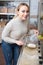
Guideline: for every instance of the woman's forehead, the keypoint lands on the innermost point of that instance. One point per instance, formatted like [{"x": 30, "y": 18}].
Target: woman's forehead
[{"x": 23, "y": 8}]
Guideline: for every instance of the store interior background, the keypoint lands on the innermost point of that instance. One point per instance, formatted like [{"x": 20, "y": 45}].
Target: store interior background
[{"x": 7, "y": 14}]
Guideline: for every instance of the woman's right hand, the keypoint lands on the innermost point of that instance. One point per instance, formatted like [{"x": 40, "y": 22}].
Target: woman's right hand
[{"x": 19, "y": 43}]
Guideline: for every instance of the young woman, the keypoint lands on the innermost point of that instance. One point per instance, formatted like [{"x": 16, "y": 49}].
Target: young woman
[{"x": 12, "y": 34}]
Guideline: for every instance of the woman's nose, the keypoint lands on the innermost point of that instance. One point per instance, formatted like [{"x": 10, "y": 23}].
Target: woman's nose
[{"x": 25, "y": 14}]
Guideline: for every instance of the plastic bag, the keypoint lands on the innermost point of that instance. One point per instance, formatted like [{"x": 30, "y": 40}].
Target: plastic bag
[{"x": 33, "y": 38}]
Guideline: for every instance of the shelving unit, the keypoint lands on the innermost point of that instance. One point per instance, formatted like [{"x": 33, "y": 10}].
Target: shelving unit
[
  {"x": 40, "y": 17},
  {"x": 7, "y": 12},
  {"x": 40, "y": 25}
]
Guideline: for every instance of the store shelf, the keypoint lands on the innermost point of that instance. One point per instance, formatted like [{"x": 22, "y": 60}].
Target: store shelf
[
  {"x": 7, "y": 14},
  {"x": 40, "y": 24},
  {"x": 7, "y": 11}
]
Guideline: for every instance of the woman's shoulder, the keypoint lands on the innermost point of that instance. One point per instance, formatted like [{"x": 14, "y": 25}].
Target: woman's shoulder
[{"x": 11, "y": 21}]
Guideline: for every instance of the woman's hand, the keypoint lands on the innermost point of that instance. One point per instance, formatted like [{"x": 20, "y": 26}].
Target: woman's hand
[{"x": 19, "y": 43}]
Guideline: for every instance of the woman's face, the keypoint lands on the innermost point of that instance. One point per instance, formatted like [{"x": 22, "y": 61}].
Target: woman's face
[{"x": 23, "y": 13}]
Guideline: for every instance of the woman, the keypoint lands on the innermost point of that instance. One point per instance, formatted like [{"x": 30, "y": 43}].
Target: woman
[{"x": 12, "y": 34}]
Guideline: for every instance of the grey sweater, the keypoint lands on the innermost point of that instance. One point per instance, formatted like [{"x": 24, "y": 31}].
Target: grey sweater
[{"x": 14, "y": 30}]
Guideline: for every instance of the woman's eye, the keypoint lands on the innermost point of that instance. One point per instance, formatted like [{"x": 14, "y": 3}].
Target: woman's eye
[{"x": 25, "y": 11}]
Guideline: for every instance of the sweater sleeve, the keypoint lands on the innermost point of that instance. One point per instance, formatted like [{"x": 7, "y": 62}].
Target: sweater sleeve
[{"x": 5, "y": 33}]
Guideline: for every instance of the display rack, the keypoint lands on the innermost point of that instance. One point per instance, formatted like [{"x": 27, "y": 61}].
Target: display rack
[
  {"x": 40, "y": 25},
  {"x": 40, "y": 17},
  {"x": 7, "y": 12}
]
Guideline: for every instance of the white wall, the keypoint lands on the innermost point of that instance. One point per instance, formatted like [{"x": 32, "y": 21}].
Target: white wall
[
  {"x": 33, "y": 7},
  {"x": 33, "y": 10}
]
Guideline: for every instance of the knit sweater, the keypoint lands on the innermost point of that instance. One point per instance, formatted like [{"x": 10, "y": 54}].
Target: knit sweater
[{"x": 14, "y": 30}]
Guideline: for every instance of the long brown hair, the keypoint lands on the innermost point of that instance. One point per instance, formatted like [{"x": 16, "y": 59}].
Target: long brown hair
[{"x": 23, "y": 4}]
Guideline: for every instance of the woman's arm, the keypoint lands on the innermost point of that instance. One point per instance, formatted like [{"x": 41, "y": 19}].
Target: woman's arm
[
  {"x": 5, "y": 33},
  {"x": 6, "y": 37}
]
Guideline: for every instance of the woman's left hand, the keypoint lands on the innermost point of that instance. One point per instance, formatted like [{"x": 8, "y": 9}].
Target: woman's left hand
[{"x": 19, "y": 42}]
